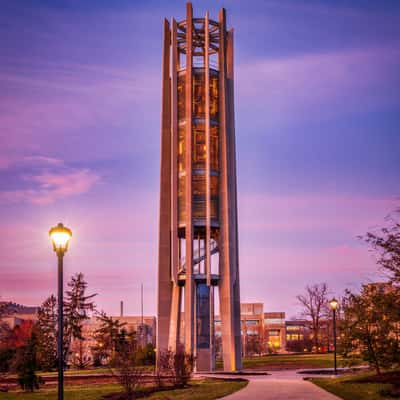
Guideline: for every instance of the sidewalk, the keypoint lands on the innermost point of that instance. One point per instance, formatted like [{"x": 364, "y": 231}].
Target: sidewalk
[{"x": 280, "y": 385}]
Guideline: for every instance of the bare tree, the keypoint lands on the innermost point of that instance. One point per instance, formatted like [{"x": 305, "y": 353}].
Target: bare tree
[
  {"x": 177, "y": 366},
  {"x": 386, "y": 244},
  {"x": 315, "y": 308},
  {"x": 128, "y": 375},
  {"x": 253, "y": 345},
  {"x": 183, "y": 367},
  {"x": 164, "y": 368}
]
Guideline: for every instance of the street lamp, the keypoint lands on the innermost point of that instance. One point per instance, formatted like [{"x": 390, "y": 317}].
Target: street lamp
[
  {"x": 333, "y": 304},
  {"x": 60, "y": 237}
]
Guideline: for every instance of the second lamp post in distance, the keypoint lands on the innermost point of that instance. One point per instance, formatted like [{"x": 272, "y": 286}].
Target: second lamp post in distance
[{"x": 333, "y": 304}]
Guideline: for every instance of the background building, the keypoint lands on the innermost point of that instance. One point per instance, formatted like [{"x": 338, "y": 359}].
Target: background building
[
  {"x": 275, "y": 331},
  {"x": 298, "y": 336},
  {"x": 261, "y": 332},
  {"x": 14, "y": 314},
  {"x": 143, "y": 331}
]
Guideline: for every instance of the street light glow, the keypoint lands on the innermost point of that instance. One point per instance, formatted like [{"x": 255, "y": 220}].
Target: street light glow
[
  {"x": 333, "y": 304},
  {"x": 60, "y": 237}
]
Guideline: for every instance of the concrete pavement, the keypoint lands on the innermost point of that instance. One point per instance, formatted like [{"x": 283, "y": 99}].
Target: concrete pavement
[{"x": 280, "y": 385}]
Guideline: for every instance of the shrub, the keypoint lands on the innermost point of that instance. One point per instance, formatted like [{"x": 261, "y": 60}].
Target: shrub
[
  {"x": 25, "y": 366},
  {"x": 6, "y": 359},
  {"x": 178, "y": 366}
]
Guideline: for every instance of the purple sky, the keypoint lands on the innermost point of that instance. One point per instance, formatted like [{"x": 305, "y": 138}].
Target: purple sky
[{"x": 317, "y": 125}]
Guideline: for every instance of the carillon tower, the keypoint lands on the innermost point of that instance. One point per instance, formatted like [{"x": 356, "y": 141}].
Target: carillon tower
[{"x": 198, "y": 235}]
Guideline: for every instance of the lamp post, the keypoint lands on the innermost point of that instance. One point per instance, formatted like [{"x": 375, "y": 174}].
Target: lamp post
[
  {"x": 60, "y": 237},
  {"x": 333, "y": 304}
]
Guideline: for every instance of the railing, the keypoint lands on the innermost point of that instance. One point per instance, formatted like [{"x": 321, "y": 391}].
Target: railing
[{"x": 214, "y": 249}]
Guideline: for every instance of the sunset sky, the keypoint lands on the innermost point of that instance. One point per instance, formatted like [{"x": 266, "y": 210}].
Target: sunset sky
[{"x": 317, "y": 96}]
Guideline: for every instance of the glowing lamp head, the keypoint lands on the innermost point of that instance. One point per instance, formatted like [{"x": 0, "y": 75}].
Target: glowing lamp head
[
  {"x": 333, "y": 304},
  {"x": 60, "y": 236}
]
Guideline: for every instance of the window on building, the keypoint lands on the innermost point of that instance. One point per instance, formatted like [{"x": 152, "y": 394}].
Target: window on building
[
  {"x": 274, "y": 332},
  {"x": 198, "y": 94},
  {"x": 214, "y": 154},
  {"x": 181, "y": 198},
  {"x": 214, "y": 97},
  {"x": 181, "y": 97},
  {"x": 274, "y": 321},
  {"x": 294, "y": 337},
  {"x": 293, "y": 328}
]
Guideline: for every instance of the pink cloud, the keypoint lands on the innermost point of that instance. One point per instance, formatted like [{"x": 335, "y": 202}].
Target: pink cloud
[
  {"x": 42, "y": 160},
  {"x": 47, "y": 185}
]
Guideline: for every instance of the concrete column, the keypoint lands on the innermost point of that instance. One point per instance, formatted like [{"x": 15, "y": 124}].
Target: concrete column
[
  {"x": 189, "y": 285},
  {"x": 174, "y": 154},
  {"x": 212, "y": 330},
  {"x": 164, "y": 255},
  {"x": 229, "y": 291},
  {"x": 232, "y": 186},
  {"x": 175, "y": 322}
]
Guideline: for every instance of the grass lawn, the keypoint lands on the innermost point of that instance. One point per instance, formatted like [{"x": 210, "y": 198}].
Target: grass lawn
[
  {"x": 79, "y": 371},
  {"x": 281, "y": 361},
  {"x": 207, "y": 389},
  {"x": 289, "y": 361},
  {"x": 90, "y": 371},
  {"x": 86, "y": 371},
  {"x": 355, "y": 387}
]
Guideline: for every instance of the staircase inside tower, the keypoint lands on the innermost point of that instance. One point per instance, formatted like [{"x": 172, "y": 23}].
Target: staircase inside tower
[{"x": 199, "y": 256}]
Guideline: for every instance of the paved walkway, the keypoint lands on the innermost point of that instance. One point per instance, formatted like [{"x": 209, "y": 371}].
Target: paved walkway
[{"x": 280, "y": 385}]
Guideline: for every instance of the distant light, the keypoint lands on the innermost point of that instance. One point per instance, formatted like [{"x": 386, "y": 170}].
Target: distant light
[{"x": 333, "y": 304}]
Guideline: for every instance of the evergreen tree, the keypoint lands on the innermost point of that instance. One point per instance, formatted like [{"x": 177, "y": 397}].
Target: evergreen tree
[
  {"x": 5, "y": 330},
  {"x": 47, "y": 334},
  {"x": 25, "y": 365},
  {"x": 77, "y": 308},
  {"x": 110, "y": 337},
  {"x": 79, "y": 359}
]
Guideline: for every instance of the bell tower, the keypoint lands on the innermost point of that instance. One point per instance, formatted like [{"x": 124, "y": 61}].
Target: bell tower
[{"x": 198, "y": 234}]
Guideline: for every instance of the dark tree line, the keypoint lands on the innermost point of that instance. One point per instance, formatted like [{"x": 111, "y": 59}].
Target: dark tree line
[
  {"x": 371, "y": 325},
  {"x": 30, "y": 347},
  {"x": 369, "y": 321}
]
